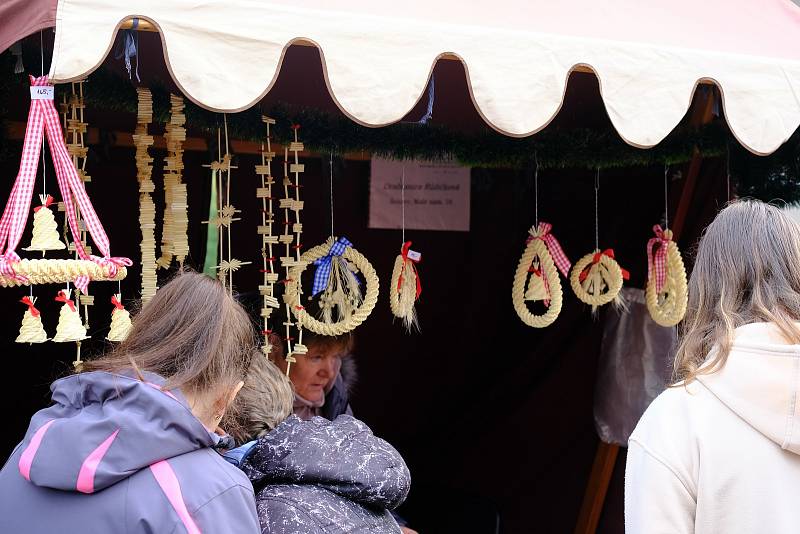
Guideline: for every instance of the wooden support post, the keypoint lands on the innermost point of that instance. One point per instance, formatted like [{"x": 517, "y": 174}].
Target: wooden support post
[
  {"x": 702, "y": 115},
  {"x": 603, "y": 467},
  {"x": 606, "y": 455}
]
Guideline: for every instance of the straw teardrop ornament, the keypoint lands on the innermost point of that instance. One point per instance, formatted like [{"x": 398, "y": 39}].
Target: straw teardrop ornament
[
  {"x": 667, "y": 289},
  {"x": 538, "y": 268}
]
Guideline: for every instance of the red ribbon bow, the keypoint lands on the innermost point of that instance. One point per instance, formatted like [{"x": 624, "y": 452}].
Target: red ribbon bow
[
  {"x": 117, "y": 304},
  {"x": 31, "y": 307},
  {"x": 47, "y": 203},
  {"x": 7, "y": 268},
  {"x": 658, "y": 262},
  {"x": 63, "y": 298},
  {"x": 596, "y": 259},
  {"x": 111, "y": 263},
  {"x": 404, "y": 254}
]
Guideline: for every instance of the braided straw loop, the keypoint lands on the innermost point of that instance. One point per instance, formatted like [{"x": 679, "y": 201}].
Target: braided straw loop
[
  {"x": 596, "y": 279},
  {"x": 360, "y": 314},
  {"x": 668, "y": 306},
  {"x": 46, "y": 271},
  {"x": 536, "y": 249}
]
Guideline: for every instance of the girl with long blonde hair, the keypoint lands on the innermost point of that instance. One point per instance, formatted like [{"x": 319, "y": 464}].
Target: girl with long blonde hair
[{"x": 719, "y": 451}]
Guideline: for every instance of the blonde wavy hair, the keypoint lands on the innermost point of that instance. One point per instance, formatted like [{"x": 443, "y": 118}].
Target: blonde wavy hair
[
  {"x": 265, "y": 401},
  {"x": 747, "y": 270}
]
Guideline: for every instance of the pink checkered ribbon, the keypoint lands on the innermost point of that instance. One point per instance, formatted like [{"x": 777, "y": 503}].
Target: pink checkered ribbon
[
  {"x": 43, "y": 118},
  {"x": 553, "y": 246},
  {"x": 657, "y": 262},
  {"x": 556, "y": 252}
]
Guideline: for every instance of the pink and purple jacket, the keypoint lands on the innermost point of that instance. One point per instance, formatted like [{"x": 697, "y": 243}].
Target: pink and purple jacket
[{"x": 114, "y": 454}]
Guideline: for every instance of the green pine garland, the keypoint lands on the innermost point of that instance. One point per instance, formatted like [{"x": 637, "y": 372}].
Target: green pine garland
[{"x": 766, "y": 177}]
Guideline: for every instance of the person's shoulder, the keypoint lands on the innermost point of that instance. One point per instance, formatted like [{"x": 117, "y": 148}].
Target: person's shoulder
[
  {"x": 672, "y": 425},
  {"x": 204, "y": 474}
]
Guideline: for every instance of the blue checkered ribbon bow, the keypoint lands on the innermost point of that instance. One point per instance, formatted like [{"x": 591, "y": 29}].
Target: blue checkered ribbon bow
[{"x": 323, "y": 273}]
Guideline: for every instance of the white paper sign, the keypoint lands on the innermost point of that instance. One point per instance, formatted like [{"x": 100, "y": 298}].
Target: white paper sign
[
  {"x": 44, "y": 92},
  {"x": 436, "y": 196}
]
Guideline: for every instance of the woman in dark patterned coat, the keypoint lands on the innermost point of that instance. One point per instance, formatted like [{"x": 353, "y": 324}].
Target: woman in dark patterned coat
[{"x": 315, "y": 476}]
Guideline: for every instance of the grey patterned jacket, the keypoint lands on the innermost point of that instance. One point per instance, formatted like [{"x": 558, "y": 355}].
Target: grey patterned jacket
[{"x": 327, "y": 477}]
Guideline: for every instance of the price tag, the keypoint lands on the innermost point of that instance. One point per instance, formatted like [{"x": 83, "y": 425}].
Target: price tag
[
  {"x": 45, "y": 92},
  {"x": 413, "y": 255}
]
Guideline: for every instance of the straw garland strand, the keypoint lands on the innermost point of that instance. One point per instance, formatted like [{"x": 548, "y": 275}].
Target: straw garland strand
[
  {"x": 147, "y": 209},
  {"x": 268, "y": 239}
]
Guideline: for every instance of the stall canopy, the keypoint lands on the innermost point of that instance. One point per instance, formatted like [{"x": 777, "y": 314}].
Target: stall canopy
[{"x": 649, "y": 57}]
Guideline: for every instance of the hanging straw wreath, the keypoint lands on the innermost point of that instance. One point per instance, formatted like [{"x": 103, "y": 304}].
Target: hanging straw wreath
[
  {"x": 405, "y": 287},
  {"x": 597, "y": 279},
  {"x": 537, "y": 267},
  {"x": 667, "y": 293},
  {"x": 337, "y": 264}
]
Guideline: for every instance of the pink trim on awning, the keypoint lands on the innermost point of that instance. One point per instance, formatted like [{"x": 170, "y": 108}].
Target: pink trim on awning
[{"x": 20, "y": 18}]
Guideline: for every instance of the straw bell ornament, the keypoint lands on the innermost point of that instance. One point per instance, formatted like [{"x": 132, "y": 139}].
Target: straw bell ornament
[
  {"x": 120, "y": 320},
  {"x": 31, "y": 330},
  {"x": 70, "y": 327},
  {"x": 45, "y": 229},
  {"x": 536, "y": 289}
]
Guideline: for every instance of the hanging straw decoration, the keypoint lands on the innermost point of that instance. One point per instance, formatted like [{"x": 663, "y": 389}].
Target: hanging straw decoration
[
  {"x": 45, "y": 228},
  {"x": 221, "y": 173},
  {"x": 337, "y": 264},
  {"x": 269, "y": 301},
  {"x": 537, "y": 267},
  {"x": 43, "y": 118},
  {"x": 405, "y": 287},
  {"x": 291, "y": 239},
  {"x": 597, "y": 278},
  {"x": 336, "y": 282},
  {"x": 75, "y": 128},
  {"x": 120, "y": 320},
  {"x": 174, "y": 238},
  {"x": 31, "y": 330},
  {"x": 70, "y": 328},
  {"x": 667, "y": 290},
  {"x": 147, "y": 209}
]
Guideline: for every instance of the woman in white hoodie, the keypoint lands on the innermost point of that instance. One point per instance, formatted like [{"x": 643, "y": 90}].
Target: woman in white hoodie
[{"x": 719, "y": 451}]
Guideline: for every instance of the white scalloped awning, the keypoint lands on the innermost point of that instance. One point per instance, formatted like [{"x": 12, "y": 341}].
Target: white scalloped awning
[{"x": 648, "y": 55}]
